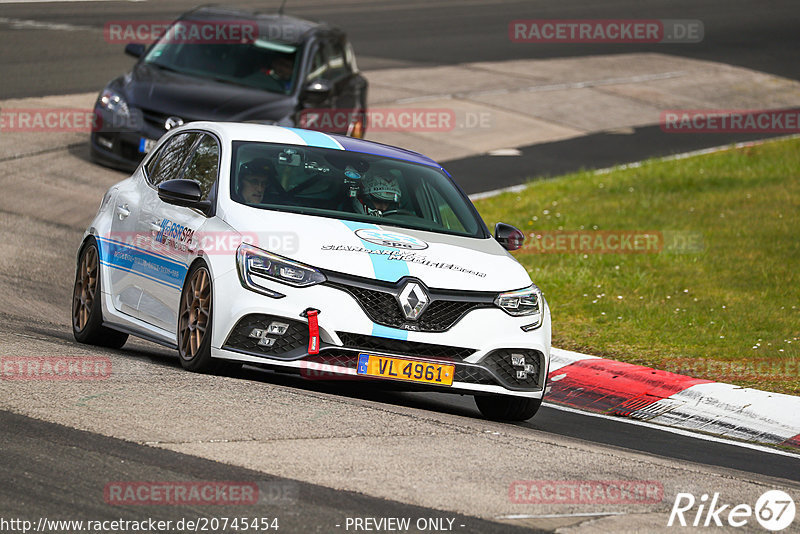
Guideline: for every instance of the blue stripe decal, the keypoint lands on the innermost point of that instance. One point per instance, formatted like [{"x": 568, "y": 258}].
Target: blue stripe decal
[
  {"x": 392, "y": 333},
  {"x": 317, "y": 139},
  {"x": 173, "y": 286},
  {"x": 142, "y": 262},
  {"x": 386, "y": 270}
]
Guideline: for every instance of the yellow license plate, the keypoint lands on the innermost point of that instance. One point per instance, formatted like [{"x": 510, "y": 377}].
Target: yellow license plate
[{"x": 400, "y": 369}]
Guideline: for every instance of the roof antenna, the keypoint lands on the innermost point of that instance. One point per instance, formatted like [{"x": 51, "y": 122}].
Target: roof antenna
[{"x": 280, "y": 9}]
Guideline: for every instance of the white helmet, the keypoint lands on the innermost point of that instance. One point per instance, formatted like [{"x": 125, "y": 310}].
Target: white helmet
[{"x": 381, "y": 187}]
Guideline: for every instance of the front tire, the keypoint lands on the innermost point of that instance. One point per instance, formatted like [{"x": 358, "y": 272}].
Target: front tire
[
  {"x": 507, "y": 408},
  {"x": 87, "y": 313},
  {"x": 195, "y": 315}
]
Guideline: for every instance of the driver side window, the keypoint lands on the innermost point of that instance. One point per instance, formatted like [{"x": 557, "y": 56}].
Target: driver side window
[
  {"x": 319, "y": 67},
  {"x": 203, "y": 165},
  {"x": 169, "y": 161}
]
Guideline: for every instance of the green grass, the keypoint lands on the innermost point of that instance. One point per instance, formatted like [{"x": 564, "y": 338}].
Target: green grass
[{"x": 729, "y": 311}]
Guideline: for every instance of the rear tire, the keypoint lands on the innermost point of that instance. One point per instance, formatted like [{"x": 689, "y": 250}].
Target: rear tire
[
  {"x": 507, "y": 408},
  {"x": 87, "y": 312}
]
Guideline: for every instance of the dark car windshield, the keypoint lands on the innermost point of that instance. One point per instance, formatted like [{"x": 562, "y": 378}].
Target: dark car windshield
[
  {"x": 257, "y": 63},
  {"x": 351, "y": 186}
]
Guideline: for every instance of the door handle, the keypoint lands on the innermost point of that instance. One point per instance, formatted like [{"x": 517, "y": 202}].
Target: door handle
[
  {"x": 123, "y": 211},
  {"x": 156, "y": 227}
]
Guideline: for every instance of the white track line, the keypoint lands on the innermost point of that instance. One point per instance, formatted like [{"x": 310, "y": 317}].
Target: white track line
[
  {"x": 673, "y": 430},
  {"x": 544, "y": 88},
  {"x": 555, "y": 516}
]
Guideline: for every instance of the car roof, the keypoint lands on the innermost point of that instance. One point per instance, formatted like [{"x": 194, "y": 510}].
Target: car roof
[
  {"x": 237, "y": 131},
  {"x": 278, "y": 27}
]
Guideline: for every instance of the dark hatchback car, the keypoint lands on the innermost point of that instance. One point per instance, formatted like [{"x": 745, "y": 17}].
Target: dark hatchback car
[{"x": 219, "y": 64}]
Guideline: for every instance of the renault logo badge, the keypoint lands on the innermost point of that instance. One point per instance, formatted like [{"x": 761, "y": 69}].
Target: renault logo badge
[
  {"x": 173, "y": 122},
  {"x": 413, "y": 300}
]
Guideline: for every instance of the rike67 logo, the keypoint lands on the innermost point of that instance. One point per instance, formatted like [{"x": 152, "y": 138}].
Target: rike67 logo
[{"x": 774, "y": 510}]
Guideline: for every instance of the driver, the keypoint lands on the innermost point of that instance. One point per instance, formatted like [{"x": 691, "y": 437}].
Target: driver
[
  {"x": 253, "y": 178},
  {"x": 380, "y": 193},
  {"x": 282, "y": 71}
]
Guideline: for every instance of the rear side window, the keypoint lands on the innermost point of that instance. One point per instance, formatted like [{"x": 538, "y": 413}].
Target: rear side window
[{"x": 171, "y": 157}]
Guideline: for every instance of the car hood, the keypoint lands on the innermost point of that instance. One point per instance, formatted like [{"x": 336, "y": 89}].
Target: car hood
[
  {"x": 382, "y": 252},
  {"x": 193, "y": 98}
]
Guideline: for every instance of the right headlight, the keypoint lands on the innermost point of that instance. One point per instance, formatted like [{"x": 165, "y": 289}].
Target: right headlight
[
  {"x": 523, "y": 302},
  {"x": 256, "y": 265}
]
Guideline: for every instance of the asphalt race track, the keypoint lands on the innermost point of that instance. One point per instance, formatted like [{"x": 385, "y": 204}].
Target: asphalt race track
[{"x": 325, "y": 453}]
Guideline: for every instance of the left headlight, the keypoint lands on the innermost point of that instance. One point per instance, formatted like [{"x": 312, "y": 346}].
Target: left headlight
[
  {"x": 113, "y": 102},
  {"x": 256, "y": 265},
  {"x": 523, "y": 302}
]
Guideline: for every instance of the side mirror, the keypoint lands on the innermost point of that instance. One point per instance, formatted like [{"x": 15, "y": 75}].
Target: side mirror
[
  {"x": 510, "y": 237},
  {"x": 135, "y": 49},
  {"x": 317, "y": 92},
  {"x": 186, "y": 193}
]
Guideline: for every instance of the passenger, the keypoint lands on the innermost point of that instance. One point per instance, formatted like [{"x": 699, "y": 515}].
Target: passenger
[{"x": 254, "y": 176}]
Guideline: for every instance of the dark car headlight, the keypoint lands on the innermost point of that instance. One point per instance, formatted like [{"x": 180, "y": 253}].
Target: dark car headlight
[
  {"x": 113, "y": 102},
  {"x": 523, "y": 302},
  {"x": 256, "y": 265}
]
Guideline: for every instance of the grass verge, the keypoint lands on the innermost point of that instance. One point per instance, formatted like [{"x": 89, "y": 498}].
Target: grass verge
[{"x": 716, "y": 296}]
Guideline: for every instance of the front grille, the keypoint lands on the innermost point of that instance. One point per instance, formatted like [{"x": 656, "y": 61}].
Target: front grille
[
  {"x": 382, "y": 308},
  {"x": 335, "y": 357},
  {"x": 470, "y": 374},
  {"x": 293, "y": 342},
  {"x": 499, "y": 362},
  {"x": 155, "y": 118},
  {"x": 407, "y": 348},
  {"x": 129, "y": 151},
  {"x": 473, "y": 375}
]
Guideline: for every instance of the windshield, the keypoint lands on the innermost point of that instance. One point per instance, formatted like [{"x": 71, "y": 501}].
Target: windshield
[
  {"x": 352, "y": 186},
  {"x": 258, "y": 63}
]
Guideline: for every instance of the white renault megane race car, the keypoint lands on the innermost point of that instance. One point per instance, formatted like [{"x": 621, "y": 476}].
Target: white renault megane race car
[{"x": 323, "y": 255}]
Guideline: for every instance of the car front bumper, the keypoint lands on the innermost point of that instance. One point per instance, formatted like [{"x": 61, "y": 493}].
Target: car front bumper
[{"x": 485, "y": 345}]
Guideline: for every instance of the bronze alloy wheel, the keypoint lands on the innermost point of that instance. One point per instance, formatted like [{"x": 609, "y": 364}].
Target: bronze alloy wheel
[
  {"x": 85, "y": 289},
  {"x": 195, "y": 314},
  {"x": 87, "y": 313}
]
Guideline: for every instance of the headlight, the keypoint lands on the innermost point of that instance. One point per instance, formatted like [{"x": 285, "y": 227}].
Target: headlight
[
  {"x": 256, "y": 265},
  {"x": 114, "y": 103},
  {"x": 527, "y": 302}
]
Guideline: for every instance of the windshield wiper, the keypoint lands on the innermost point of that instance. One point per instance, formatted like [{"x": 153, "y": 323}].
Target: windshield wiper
[
  {"x": 231, "y": 82},
  {"x": 164, "y": 67}
]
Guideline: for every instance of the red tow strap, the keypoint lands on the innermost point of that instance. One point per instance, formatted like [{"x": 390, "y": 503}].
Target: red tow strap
[{"x": 313, "y": 331}]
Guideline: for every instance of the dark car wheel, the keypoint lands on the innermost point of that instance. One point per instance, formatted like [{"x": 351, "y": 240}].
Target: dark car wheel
[
  {"x": 507, "y": 408},
  {"x": 87, "y": 314}
]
